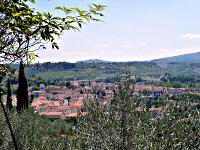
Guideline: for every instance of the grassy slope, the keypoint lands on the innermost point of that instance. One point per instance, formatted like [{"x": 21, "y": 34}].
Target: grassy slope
[
  {"x": 186, "y": 69},
  {"x": 141, "y": 70},
  {"x": 86, "y": 74}
]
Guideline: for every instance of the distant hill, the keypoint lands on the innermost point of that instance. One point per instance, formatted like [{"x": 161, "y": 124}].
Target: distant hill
[
  {"x": 95, "y": 69},
  {"x": 93, "y": 61},
  {"x": 100, "y": 70},
  {"x": 49, "y": 66},
  {"x": 186, "y": 58}
]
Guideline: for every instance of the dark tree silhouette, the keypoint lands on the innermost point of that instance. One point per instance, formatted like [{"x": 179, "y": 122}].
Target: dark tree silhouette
[
  {"x": 9, "y": 99},
  {"x": 22, "y": 91}
]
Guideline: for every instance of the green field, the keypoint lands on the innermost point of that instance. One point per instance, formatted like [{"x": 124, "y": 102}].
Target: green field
[
  {"x": 87, "y": 74},
  {"x": 100, "y": 71}
]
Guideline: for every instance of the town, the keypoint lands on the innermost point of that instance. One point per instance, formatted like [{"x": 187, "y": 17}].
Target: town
[
  {"x": 65, "y": 102},
  {"x": 99, "y": 75}
]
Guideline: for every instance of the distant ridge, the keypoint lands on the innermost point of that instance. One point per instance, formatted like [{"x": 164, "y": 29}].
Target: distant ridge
[
  {"x": 185, "y": 58},
  {"x": 93, "y": 61}
]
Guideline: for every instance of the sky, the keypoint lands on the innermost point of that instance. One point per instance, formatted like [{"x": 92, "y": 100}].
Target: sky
[{"x": 133, "y": 30}]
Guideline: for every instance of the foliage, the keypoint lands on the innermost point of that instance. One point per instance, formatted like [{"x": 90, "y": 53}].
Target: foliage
[
  {"x": 48, "y": 66},
  {"x": 5, "y": 70},
  {"x": 127, "y": 124},
  {"x": 22, "y": 91},
  {"x": 181, "y": 75},
  {"x": 34, "y": 132},
  {"x": 68, "y": 84},
  {"x": 191, "y": 97},
  {"x": 124, "y": 124},
  {"x": 23, "y": 30}
]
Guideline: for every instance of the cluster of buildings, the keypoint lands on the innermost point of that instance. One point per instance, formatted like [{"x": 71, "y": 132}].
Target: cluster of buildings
[{"x": 63, "y": 102}]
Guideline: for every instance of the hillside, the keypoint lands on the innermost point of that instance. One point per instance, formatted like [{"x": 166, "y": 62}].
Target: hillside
[
  {"x": 94, "y": 69},
  {"x": 186, "y": 58},
  {"x": 108, "y": 71},
  {"x": 93, "y": 61}
]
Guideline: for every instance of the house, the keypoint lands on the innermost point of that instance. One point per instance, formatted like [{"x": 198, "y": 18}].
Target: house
[
  {"x": 38, "y": 101},
  {"x": 76, "y": 103},
  {"x": 52, "y": 103},
  {"x": 87, "y": 90},
  {"x": 176, "y": 91},
  {"x": 111, "y": 86},
  {"x": 194, "y": 90},
  {"x": 37, "y": 94},
  {"x": 141, "y": 87},
  {"x": 109, "y": 93},
  {"x": 88, "y": 95},
  {"x": 154, "y": 112},
  {"x": 42, "y": 87},
  {"x": 74, "y": 84},
  {"x": 42, "y": 109},
  {"x": 93, "y": 84},
  {"x": 65, "y": 102}
]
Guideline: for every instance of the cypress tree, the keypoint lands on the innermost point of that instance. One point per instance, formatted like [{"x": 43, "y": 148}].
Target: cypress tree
[
  {"x": 9, "y": 99},
  {"x": 22, "y": 91}
]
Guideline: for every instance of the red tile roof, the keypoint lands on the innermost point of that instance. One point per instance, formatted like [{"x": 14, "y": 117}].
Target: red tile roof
[
  {"x": 74, "y": 83},
  {"x": 63, "y": 108},
  {"x": 76, "y": 103}
]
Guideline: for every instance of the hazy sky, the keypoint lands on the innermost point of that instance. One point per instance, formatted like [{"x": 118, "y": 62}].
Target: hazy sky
[{"x": 133, "y": 30}]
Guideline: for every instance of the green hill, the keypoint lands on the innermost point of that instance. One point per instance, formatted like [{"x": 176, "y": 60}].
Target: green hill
[
  {"x": 186, "y": 58},
  {"x": 188, "y": 64}
]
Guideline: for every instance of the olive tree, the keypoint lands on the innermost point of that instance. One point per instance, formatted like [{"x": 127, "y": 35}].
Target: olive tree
[
  {"x": 127, "y": 123},
  {"x": 23, "y": 31}
]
